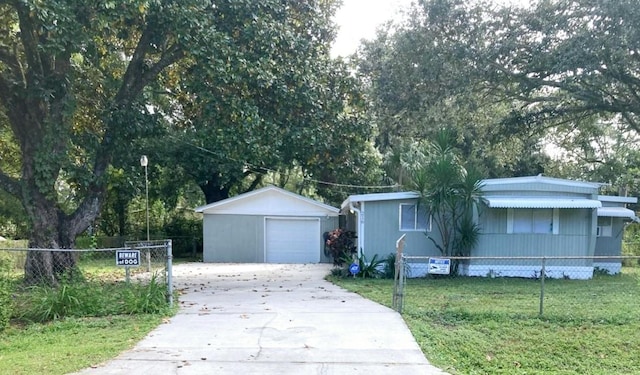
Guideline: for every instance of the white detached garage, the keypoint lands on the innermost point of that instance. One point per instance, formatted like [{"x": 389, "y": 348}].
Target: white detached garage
[{"x": 268, "y": 225}]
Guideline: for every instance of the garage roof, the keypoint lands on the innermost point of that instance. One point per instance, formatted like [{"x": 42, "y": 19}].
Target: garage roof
[
  {"x": 540, "y": 202},
  {"x": 270, "y": 200}
]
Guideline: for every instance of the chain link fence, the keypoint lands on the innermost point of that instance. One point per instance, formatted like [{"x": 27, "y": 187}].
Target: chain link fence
[
  {"x": 536, "y": 279},
  {"x": 137, "y": 260}
]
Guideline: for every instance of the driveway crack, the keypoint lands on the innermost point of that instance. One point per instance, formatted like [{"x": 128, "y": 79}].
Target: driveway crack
[{"x": 262, "y": 330}]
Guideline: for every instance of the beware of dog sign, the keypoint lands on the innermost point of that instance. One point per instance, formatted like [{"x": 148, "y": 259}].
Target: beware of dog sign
[{"x": 128, "y": 258}]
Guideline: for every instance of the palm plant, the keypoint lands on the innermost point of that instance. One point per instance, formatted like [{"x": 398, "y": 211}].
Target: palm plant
[{"x": 450, "y": 191}]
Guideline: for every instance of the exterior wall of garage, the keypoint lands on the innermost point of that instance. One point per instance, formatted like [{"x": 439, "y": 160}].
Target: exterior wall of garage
[
  {"x": 233, "y": 239},
  {"x": 240, "y": 238}
]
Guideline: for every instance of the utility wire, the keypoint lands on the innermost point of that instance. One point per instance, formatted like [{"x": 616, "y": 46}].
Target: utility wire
[{"x": 259, "y": 169}]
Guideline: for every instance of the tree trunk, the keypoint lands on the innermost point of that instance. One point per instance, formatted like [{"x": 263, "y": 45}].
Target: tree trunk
[
  {"x": 50, "y": 232},
  {"x": 213, "y": 192}
]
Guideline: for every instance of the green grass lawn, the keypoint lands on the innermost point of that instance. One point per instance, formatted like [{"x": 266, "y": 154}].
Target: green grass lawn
[
  {"x": 83, "y": 322},
  {"x": 70, "y": 344},
  {"x": 492, "y": 326}
]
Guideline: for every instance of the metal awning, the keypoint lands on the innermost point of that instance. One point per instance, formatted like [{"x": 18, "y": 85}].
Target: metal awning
[
  {"x": 617, "y": 212},
  {"x": 540, "y": 202}
]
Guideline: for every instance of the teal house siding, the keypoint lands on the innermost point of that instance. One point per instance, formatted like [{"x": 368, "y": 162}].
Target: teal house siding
[
  {"x": 376, "y": 220},
  {"x": 612, "y": 218},
  {"x": 382, "y": 238},
  {"x": 535, "y": 217},
  {"x": 521, "y": 217}
]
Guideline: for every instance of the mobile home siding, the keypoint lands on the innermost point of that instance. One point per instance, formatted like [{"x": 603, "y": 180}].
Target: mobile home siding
[
  {"x": 612, "y": 245},
  {"x": 382, "y": 221},
  {"x": 571, "y": 221},
  {"x": 574, "y": 238},
  {"x": 573, "y": 232}
]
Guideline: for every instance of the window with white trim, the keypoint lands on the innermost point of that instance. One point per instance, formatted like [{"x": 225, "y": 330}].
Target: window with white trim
[
  {"x": 414, "y": 217},
  {"x": 605, "y": 226},
  {"x": 532, "y": 220}
]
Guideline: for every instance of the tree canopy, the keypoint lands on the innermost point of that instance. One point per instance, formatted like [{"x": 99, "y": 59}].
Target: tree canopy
[
  {"x": 424, "y": 74},
  {"x": 81, "y": 84},
  {"x": 511, "y": 81}
]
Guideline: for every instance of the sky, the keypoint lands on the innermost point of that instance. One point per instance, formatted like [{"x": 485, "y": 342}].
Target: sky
[{"x": 358, "y": 19}]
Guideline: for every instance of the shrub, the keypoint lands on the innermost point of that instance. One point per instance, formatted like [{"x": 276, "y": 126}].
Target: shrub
[
  {"x": 368, "y": 269},
  {"x": 340, "y": 244},
  {"x": 54, "y": 303},
  {"x": 389, "y": 269}
]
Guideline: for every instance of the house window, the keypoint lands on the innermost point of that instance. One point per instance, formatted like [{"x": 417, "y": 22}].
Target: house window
[
  {"x": 605, "y": 226},
  {"x": 532, "y": 220},
  {"x": 414, "y": 217}
]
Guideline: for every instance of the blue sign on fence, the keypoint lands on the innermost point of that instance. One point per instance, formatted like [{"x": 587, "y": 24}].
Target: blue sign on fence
[
  {"x": 439, "y": 266},
  {"x": 354, "y": 268}
]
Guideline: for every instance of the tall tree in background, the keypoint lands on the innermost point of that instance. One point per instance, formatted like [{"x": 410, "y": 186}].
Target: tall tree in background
[
  {"x": 272, "y": 101},
  {"x": 572, "y": 67},
  {"x": 424, "y": 74},
  {"x": 510, "y": 80},
  {"x": 567, "y": 60}
]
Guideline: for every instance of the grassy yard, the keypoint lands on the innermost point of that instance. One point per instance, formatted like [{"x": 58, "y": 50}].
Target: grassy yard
[
  {"x": 70, "y": 344},
  {"x": 83, "y": 321},
  {"x": 492, "y": 326}
]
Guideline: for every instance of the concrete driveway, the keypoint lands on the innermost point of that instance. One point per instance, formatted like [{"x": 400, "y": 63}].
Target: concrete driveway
[{"x": 271, "y": 319}]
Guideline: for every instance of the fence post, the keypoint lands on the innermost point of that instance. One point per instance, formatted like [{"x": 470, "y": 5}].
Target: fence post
[
  {"x": 542, "y": 276},
  {"x": 169, "y": 272},
  {"x": 127, "y": 272},
  {"x": 401, "y": 284},
  {"x": 398, "y": 276}
]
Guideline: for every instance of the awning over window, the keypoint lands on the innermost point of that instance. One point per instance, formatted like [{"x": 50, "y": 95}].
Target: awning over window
[
  {"x": 540, "y": 202},
  {"x": 617, "y": 212}
]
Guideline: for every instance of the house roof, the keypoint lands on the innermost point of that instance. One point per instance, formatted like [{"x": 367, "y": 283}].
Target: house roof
[
  {"x": 270, "y": 200},
  {"x": 375, "y": 197},
  {"x": 617, "y": 199},
  {"x": 617, "y": 212},
  {"x": 540, "y": 202},
  {"x": 540, "y": 179}
]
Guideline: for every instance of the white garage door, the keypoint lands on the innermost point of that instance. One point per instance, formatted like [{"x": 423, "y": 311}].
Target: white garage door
[{"x": 292, "y": 240}]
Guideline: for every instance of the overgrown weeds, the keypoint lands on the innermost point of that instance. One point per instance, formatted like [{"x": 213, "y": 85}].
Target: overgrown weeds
[
  {"x": 91, "y": 298},
  {"x": 6, "y": 291}
]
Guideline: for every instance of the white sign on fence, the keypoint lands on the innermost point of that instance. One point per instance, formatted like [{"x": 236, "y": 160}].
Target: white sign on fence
[
  {"x": 128, "y": 258},
  {"x": 439, "y": 266}
]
